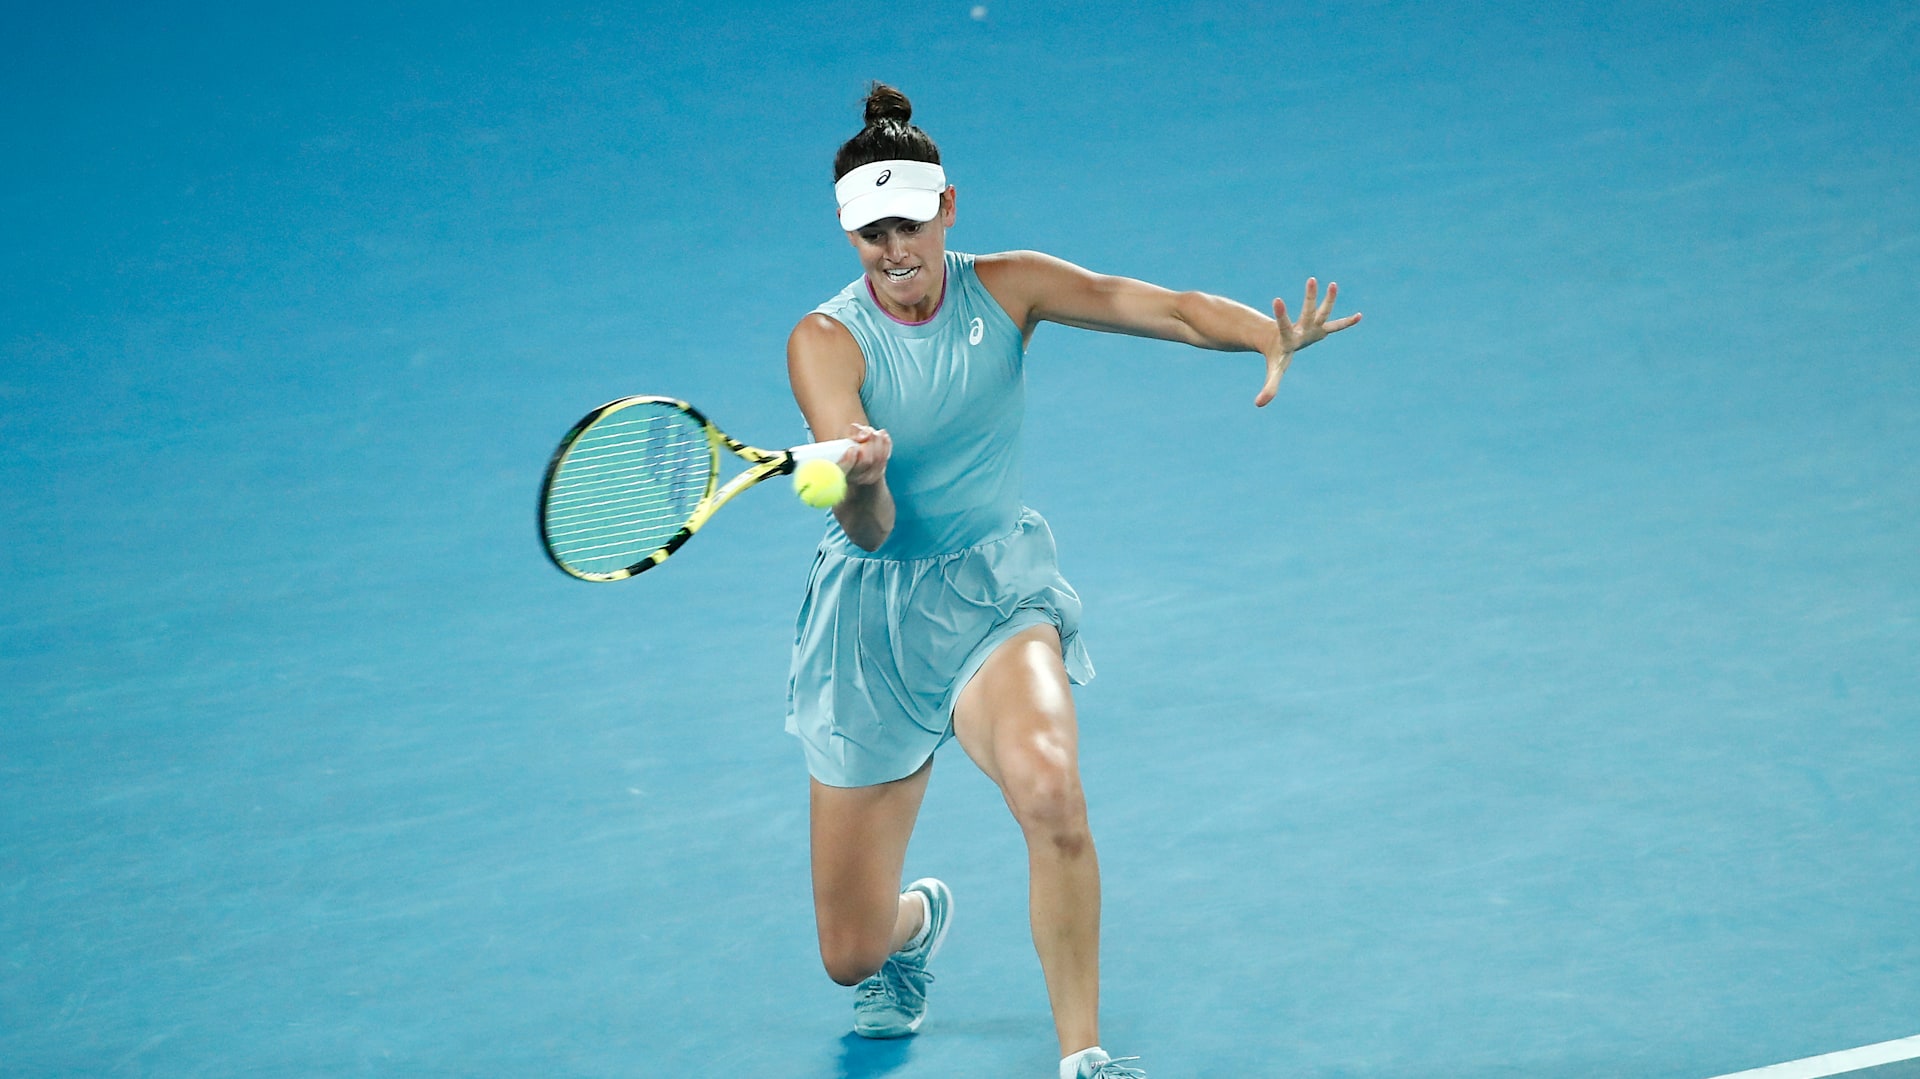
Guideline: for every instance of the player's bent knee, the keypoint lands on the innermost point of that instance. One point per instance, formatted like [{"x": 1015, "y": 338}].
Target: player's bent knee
[
  {"x": 851, "y": 962},
  {"x": 851, "y": 974},
  {"x": 1042, "y": 788},
  {"x": 851, "y": 951}
]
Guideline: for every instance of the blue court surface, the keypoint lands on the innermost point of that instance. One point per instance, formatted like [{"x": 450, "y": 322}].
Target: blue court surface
[{"x": 1532, "y": 691}]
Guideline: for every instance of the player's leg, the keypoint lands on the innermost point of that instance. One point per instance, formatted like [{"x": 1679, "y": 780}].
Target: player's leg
[
  {"x": 1016, "y": 720},
  {"x": 859, "y": 838}
]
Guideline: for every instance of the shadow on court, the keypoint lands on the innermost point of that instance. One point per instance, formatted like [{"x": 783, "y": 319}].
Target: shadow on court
[{"x": 864, "y": 1058}]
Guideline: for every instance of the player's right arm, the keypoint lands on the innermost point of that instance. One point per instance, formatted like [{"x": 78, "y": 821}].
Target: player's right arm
[{"x": 825, "y": 368}]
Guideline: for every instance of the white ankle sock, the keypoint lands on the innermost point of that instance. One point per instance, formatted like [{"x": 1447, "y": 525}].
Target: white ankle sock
[
  {"x": 926, "y": 924},
  {"x": 1070, "y": 1066}
]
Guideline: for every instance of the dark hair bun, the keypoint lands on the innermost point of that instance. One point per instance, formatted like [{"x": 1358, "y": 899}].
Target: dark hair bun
[
  {"x": 885, "y": 104},
  {"x": 888, "y": 136}
]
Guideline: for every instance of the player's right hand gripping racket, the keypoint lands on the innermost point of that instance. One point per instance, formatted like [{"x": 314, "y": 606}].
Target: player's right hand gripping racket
[{"x": 635, "y": 479}]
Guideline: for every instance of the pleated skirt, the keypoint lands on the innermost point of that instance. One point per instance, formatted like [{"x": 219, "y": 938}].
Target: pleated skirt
[{"x": 883, "y": 647}]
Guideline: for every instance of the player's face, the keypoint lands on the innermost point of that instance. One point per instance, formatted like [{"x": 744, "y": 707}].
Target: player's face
[{"x": 906, "y": 260}]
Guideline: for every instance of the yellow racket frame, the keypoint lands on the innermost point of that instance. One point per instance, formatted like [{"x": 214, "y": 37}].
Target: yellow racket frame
[{"x": 761, "y": 465}]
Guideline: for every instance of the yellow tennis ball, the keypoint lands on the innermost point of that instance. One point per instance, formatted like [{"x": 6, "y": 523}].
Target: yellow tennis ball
[{"x": 819, "y": 483}]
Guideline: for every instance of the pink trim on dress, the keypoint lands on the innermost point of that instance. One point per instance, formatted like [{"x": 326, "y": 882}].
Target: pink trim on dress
[{"x": 883, "y": 307}]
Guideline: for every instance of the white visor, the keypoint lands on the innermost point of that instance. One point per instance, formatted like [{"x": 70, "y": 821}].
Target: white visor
[{"x": 909, "y": 189}]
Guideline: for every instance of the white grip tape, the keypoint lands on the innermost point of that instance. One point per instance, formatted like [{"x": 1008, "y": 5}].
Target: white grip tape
[{"x": 822, "y": 451}]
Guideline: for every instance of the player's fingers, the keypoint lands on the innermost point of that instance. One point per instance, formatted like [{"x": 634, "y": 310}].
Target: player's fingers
[
  {"x": 868, "y": 465},
  {"x": 1312, "y": 306},
  {"x": 1342, "y": 323},
  {"x": 856, "y": 454},
  {"x": 851, "y": 458},
  {"x": 1326, "y": 305}
]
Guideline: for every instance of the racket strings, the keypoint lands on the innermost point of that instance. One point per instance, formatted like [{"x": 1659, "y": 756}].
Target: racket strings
[{"x": 626, "y": 487}]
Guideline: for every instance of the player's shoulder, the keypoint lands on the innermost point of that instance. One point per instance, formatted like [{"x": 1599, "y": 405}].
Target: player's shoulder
[
  {"x": 1012, "y": 261},
  {"x": 1027, "y": 281},
  {"x": 821, "y": 347},
  {"x": 820, "y": 331},
  {"x": 1022, "y": 268}
]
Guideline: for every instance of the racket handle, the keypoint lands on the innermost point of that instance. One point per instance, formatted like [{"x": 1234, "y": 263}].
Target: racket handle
[{"x": 822, "y": 451}]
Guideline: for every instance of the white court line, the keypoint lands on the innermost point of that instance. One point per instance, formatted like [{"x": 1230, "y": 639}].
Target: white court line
[{"x": 1848, "y": 1060}]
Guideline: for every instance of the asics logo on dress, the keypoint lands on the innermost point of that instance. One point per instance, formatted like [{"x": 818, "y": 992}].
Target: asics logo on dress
[
  {"x": 884, "y": 177},
  {"x": 975, "y": 331}
]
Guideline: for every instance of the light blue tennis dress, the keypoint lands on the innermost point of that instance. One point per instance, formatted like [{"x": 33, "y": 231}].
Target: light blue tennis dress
[{"x": 887, "y": 639}]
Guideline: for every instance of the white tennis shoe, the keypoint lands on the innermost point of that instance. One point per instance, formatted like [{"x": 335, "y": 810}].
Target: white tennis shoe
[{"x": 893, "y": 1002}]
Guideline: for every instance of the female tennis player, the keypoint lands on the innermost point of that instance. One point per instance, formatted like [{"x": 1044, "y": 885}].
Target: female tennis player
[{"x": 934, "y": 609}]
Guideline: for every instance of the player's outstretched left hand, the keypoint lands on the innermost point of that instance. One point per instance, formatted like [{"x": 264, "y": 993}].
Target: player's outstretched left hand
[{"x": 1290, "y": 336}]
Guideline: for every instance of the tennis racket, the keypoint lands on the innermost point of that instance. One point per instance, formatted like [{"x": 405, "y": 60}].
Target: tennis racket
[{"x": 637, "y": 477}]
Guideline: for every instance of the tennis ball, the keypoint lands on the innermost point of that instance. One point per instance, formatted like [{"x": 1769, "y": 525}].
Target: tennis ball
[{"x": 819, "y": 483}]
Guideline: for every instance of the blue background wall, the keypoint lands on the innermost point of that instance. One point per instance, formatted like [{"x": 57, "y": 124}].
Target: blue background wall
[{"x": 1530, "y": 691}]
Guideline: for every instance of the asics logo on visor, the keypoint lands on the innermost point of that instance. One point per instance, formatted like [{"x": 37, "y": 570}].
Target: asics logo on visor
[{"x": 884, "y": 177}]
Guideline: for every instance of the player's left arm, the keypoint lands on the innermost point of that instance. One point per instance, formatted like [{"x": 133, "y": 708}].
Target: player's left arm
[{"x": 1038, "y": 288}]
